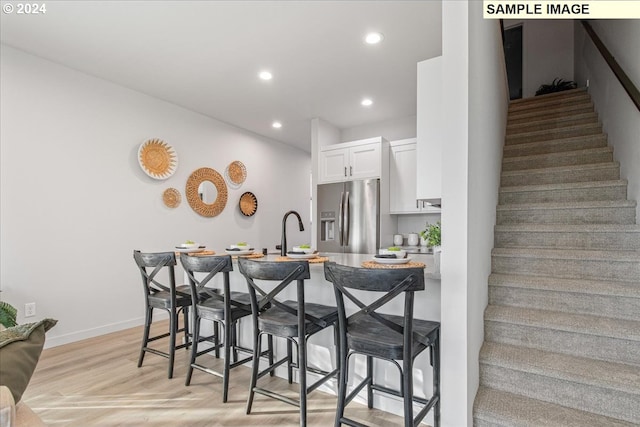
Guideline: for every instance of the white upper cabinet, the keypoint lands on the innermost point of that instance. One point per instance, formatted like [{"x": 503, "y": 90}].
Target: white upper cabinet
[
  {"x": 429, "y": 130},
  {"x": 350, "y": 161},
  {"x": 403, "y": 172}
]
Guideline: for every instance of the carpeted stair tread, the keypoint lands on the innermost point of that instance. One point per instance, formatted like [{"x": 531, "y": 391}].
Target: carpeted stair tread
[
  {"x": 494, "y": 408},
  {"x": 571, "y": 191},
  {"x": 562, "y": 158},
  {"x": 554, "y": 133},
  {"x": 559, "y": 145},
  {"x": 573, "y": 254},
  {"x": 596, "y": 297},
  {"x": 564, "y": 186},
  {"x": 625, "y": 289},
  {"x": 578, "y": 323},
  {"x": 525, "y": 116},
  {"x": 552, "y": 122},
  {"x": 568, "y": 205},
  {"x": 579, "y": 91},
  {"x": 599, "y": 373},
  {"x": 568, "y": 236},
  {"x": 568, "y": 168}
]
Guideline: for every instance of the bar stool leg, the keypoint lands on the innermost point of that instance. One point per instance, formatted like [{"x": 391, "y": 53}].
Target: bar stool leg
[
  {"x": 270, "y": 353},
  {"x": 173, "y": 327},
  {"x": 343, "y": 377},
  {"x": 407, "y": 390},
  {"x": 435, "y": 361},
  {"x": 216, "y": 339},
  {"x": 228, "y": 332},
  {"x": 185, "y": 319},
  {"x": 148, "y": 318},
  {"x": 257, "y": 340},
  {"x": 369, "y": 382},
  {"x": 289, "y": 359},
  {"x": 194, "y": 350}
]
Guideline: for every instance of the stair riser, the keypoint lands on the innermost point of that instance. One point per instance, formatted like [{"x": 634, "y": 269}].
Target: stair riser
[
  {"x": 477, "y": 422},
  {"x": 555, "y": 146},
  {"x": 543, "y": 104},
  {"x": 548, "y": 113},
  {"x": 568, "y": 240},
  {"x": 554, "y": 123},
  {"x": 565, "y": 195},
  {"x": 598, "y": 305},
  {"x": 555, "y": 160},
  {"x": 598, "y": 215},
  {"x": 583, "y": 345},
  {"x": 540, "y": 177},
  {"x": 553, "y": 134},
  {"x": 584, "y": 397},
  {"x": 567, "y": 268}
]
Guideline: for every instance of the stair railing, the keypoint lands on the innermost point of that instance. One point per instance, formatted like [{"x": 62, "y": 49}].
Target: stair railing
[{"x": 624, "y": 80}]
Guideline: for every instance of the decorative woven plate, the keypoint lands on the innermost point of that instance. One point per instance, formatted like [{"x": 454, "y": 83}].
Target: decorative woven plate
[
  {"x": 171, "y": 198},
  {"x": 248, "y": 204},
  {"x": 315, "y": 260},
  {"x": 412, "y": 264},
  {"x": 193, "y": 196},
  {"x": 236, "y": 173},
  {"x": 157, "y": 159}
]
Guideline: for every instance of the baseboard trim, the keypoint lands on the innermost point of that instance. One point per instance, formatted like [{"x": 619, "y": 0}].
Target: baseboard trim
[{"x": 55, "y": 341}]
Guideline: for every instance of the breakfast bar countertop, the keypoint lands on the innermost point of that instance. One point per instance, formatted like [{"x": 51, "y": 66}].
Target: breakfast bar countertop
[{"x": 356, "y": 260}]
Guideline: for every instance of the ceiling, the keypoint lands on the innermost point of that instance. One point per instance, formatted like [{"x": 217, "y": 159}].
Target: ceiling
[{"x": 206, "y": 56}]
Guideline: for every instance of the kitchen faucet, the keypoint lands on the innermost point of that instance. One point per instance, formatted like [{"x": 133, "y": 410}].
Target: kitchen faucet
[{"x": 283, "y": 242}]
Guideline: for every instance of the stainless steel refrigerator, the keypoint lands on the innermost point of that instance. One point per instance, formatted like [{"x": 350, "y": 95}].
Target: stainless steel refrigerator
[{"x": 349, "y": 216}]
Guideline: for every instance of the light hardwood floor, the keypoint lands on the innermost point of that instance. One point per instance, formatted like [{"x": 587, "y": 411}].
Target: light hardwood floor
[{"x": 96, "y": 382}]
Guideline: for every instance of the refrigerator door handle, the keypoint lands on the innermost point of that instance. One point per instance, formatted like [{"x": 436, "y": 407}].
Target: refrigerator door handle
[
  {"x": 347, "y": 219},
  {"x": 341, "y": 217}
]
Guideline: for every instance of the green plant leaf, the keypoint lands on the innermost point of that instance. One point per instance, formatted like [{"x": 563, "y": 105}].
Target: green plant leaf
[{"x": 8, "y": 314}]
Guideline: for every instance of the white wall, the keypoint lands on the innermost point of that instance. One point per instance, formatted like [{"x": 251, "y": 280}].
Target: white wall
[
  {"x": 75, "y": 203},
  {"x": 391, "y": 130},
  {"x": 475, "y": 107},
  {"x": 547, "y": 52},
  {"x": 488, "y": 105},
  {"x": 455, "y": 181},
  {"x": 619, "y": 116}
]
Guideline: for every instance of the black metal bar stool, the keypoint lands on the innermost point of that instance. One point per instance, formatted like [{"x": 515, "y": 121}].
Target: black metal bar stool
[
  {"x": 296, "y": 321},
  {"x": 384, "y": 336},
  {"x": 222, "y": 307},
  {"x": 160, "y": 290}
]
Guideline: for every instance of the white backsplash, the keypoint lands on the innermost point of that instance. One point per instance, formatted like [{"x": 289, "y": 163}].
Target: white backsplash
[{"x": 415, "y": 223}]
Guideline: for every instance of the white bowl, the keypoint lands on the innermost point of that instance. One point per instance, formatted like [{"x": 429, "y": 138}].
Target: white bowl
[
  {"x": 188, "y": 245},
  {"x": 399, "y": 254},
  {"x": 305, "y": 250},
  {"x": 243, "y": 247}
]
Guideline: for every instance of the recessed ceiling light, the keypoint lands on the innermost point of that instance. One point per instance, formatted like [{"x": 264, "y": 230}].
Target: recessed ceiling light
[
  {"x": 265, "y": 75},
  {"x": 276, "y": 125},
  {"x": 373, "y": 38},
  {"x": 366, "y": 102}
]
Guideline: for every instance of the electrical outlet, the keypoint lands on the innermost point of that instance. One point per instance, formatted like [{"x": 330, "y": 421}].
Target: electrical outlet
[{"x": 30, "y": 309}]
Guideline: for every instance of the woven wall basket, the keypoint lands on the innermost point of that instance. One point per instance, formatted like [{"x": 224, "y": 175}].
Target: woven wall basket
[{"x": 193, "y": 197}]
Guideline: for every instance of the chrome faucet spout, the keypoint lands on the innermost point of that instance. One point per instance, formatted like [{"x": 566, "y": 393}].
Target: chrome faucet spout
[{"x": 283, "y": 241}]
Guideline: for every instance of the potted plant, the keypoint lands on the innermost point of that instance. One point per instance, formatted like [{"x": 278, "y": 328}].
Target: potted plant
[
  {"x": 558, "y": 85},
  {"x": 432, "y": 235},
  {"x": 7, "y": 314}
]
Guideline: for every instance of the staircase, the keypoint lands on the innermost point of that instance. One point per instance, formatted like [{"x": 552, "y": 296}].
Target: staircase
[{"x": 562, "y": 328}]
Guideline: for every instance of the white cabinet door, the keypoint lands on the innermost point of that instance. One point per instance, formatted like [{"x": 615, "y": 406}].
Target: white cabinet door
[
  {"x": 364, "y": 161},
  {"x": 402, "y": 178},
  {"x": 350, "y": 162},
  {"x": 334, "y": 165},
  {"x": 429, "y": 130}
]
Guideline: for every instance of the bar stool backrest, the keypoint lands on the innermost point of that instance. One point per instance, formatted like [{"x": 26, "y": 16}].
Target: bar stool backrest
[
  {"x": 211, "y": 265},
  {"x": 153, "y": 281},
  {"x": 392, "y": 282},
  {"x": 286, "y": 272}
]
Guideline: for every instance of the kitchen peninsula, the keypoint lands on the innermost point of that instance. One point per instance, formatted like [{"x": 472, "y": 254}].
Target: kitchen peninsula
[{"x": 322, "y": 349}]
